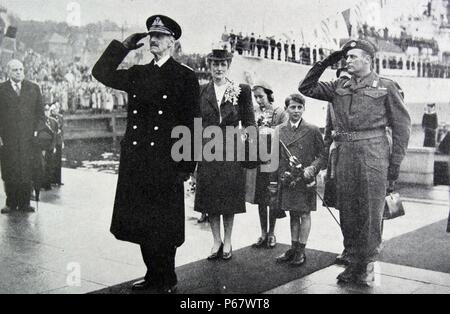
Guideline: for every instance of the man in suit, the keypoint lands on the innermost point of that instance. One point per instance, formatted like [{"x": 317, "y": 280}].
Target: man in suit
[
  {"x": 21, "y": 115},
  {"x": 149, "y": 203}
]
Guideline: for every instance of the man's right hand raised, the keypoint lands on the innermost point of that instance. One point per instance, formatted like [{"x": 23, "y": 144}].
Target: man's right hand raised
[
  {"x": 132, "y": 41},
  {"x": 333, "y": 58}
]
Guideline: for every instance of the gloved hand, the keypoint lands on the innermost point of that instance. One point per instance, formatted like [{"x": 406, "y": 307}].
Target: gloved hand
[
  {"x": 333, "y": 58},
  {"x": 309, "y": 173},
  {"x": 132, "y": 41},
  {"x": 393, "y": 172}
]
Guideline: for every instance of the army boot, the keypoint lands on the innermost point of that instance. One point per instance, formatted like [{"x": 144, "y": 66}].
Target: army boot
[
  {"x": 366, "y": 275},
  {"x": 349, "y": 274}
]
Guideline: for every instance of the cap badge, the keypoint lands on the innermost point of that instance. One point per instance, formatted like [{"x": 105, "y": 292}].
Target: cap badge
[
  {"x": 157, "y": 22},
  {"x": 353, "y": 44}
]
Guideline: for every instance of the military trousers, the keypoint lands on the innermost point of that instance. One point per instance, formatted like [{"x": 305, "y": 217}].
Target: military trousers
[{"x": 361, "y": 176}]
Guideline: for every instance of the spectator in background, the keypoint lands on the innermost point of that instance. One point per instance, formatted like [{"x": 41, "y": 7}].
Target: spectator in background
[
  {"x": 21, "y": 115},
  {"x": 430, "y": 125}
]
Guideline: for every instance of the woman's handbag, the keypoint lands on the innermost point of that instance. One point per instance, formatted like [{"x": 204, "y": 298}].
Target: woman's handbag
[
  {"x": 393, "y": 207},
  {"x": 275, "y": 196}
]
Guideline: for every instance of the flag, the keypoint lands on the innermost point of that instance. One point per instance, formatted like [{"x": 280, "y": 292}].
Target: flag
[{"x": 346, "y": 16}]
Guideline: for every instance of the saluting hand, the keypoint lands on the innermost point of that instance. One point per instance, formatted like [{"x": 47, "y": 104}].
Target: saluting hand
[
  {"x": 333, "y": 58},
  {"x": 132, "y": 41}
]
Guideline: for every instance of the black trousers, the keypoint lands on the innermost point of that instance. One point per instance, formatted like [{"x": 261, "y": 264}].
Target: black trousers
[
  {"x": 160, "y": 262},
  {"x": 17, "y": 194}
]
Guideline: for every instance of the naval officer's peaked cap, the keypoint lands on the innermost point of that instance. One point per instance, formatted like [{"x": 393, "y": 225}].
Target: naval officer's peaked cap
[{"x": 164, "y": 25}]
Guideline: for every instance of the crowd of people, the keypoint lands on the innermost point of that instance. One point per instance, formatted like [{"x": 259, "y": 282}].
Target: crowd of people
[
  {"x": 70, "y": 85},
  {"x": 269, "y": 47}
]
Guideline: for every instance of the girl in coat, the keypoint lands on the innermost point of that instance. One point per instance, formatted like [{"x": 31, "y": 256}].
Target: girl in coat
[{"x": 266, "y": 117}]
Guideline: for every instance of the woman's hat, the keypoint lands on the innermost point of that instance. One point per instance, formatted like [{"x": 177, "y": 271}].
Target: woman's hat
[
  {"x": 263, "y": 85},
  {"x": 219, "y": 55}
]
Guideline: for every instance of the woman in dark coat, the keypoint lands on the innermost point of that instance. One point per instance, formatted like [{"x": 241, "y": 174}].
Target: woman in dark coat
[
  {"x": 266, "y": 117},
  {"x": 221, "y": 184}
]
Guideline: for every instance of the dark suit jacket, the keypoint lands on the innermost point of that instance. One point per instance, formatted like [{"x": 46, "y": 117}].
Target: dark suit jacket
[
  {"x": 149, "y": 205},
  {"x": 20, "y": 117}
]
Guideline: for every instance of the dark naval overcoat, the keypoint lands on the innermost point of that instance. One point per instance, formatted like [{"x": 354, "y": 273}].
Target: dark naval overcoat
[
  {"x": 221, "y": 184},
  {"x": 20, "y": 117},
  {"x": 149, "y": 203}
]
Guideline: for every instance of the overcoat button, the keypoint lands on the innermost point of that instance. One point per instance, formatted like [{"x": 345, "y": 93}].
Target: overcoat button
[
  {"x": 165, "y": 97},
  {"x": 156, "y": 128},
  {"x": 134, "y": 96},
  {"x": 134, "y": 127},
  {"x": 152, "y": 144},
  {"x": 134, "y": 143},
  {"x": 134, "y": 111},
  {"x": 160, "y": 112}
]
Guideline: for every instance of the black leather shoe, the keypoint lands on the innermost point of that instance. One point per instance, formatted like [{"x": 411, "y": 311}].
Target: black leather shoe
[
  {"x": 261, "y": 242},
  {"x": 227, "y": 255},
  {"x": 299, "y": 259},
  {"x": 365, "y": 276},
  {"x": 217, "y": 254},
  {"x": 6, "y": 210},
  {"x": 271, "y": 242},
  {"x": 28, "y": 209},
  {"x": 143, "y": 285},
  {"x": 286, "y": 256},
  {"x": 348, "y": 275}
]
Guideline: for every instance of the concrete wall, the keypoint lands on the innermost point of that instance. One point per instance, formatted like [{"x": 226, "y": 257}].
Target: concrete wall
[{"x": 418, "y": 167}]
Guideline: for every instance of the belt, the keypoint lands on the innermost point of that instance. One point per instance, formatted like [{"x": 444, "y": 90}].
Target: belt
[{"x": 359, "y": 135}]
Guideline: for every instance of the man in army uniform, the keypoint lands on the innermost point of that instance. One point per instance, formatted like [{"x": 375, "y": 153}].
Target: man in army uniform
[
  {"x": 149, "y": 203},
  {"x": 364, "y": 107}
]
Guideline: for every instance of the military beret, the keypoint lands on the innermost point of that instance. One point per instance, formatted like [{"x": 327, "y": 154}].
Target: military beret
[
  {"x": 362, "y": 44},
  {"x": 219, "y": 55},
  {"x": 164, "y": 25},
  {"x": 263, "y": 85}
]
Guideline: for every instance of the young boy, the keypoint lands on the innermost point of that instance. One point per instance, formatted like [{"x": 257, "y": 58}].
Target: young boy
[{"x": 300, "y": 144}]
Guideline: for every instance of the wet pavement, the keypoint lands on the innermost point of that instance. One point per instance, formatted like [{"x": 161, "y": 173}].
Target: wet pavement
[{"x": 66, "y": 247}]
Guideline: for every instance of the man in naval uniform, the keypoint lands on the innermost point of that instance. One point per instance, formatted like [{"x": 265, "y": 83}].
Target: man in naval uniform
[
  {"x": 149, "y": 203},
  {"x": 364, "y": 106}
]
